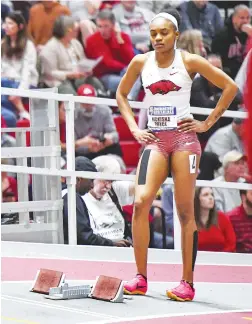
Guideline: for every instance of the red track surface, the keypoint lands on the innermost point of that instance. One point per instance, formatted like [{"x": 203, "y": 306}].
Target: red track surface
[{"x": 25, "y": 269}]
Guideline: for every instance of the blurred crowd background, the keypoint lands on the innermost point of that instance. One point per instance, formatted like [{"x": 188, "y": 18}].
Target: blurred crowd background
[{"x": 83, "y": 48}]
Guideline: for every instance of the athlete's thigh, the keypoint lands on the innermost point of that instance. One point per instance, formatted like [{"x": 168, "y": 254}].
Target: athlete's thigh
[
  {"x": 184, "y": 167},
  {"x": 152, "y": 171}
]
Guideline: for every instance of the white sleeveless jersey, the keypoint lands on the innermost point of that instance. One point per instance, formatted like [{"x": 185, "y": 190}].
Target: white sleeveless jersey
[{"x": 167, "y": 92}]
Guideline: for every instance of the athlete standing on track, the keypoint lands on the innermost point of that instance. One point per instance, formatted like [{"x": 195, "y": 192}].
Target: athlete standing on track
[{"x": 167, "y": 75}]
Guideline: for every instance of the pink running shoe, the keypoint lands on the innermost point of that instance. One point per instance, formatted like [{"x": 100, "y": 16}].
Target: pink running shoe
[
  {"x": 136, "y": 286},
  {"x": 184, "y": 292}
]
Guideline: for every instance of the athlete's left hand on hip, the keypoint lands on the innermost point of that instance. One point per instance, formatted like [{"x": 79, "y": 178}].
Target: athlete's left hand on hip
[{"x": 192, "y": 125}]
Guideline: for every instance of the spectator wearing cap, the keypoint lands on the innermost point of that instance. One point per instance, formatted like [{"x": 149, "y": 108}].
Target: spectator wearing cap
[
  {"x": 85, "y": 233},
  {"x": 42, "y": 18},
  {"x": 105, "y": 201},
  {"x": 116, "y": 49},
  {"x": 95, "y": 131},
  {"x": 226, "y": 139},
  {"x": 234, "y": 170},
  {"x": 60, "y": 59},
  {"x": 241, "y": 219}
]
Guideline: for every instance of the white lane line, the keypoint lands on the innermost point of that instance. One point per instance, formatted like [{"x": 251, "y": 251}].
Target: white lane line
[
  {"x": 138, "y": 318},
  {"x": 58, "y": 307},
  {"x": 50, "y": 257}
]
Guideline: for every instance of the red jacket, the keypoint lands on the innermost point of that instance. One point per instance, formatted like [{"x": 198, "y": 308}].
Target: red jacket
[
  {"x": 219, "y": 238},
  {"x": 115, "y": 56},
  {"x": 242, "y": 224}
]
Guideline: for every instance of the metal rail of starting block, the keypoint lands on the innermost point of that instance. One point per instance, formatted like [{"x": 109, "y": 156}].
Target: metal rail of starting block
[{"x": 69, "y": 292}]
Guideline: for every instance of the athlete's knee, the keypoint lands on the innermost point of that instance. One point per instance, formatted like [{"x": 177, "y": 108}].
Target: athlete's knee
[
  {"x": 185, "y": 212},
  {"x": 142, "y": 202}
]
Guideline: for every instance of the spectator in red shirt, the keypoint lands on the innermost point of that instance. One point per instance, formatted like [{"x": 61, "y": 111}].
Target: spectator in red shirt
[
  {"x": 116, "y": 49},
  {"x": 216, "y": 232},
  {"x": 241, "y": 218}
]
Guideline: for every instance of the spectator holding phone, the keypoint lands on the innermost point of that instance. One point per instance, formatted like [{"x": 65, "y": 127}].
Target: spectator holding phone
[
  {"x": 95, "y": 131},
  {"x": 116, "y": 49}
]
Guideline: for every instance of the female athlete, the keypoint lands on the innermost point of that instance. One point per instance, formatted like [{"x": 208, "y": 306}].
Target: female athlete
[{"x": 171, "y": 140}]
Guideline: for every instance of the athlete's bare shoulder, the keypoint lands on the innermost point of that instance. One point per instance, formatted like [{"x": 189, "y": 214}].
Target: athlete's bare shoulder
[
  {"x": 138, "y": 61},
  {"x": 193, "y": 62}
]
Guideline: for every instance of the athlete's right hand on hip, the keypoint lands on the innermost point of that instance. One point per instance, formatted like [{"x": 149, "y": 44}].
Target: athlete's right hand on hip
[{"x": 144, "y": 136}]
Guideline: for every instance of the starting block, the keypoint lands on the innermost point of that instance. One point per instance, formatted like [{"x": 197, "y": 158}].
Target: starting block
[
  {"x": 108, "y": 289},
  {"x": 52, "y": 284},
  {"x": 45, "y": 279}
]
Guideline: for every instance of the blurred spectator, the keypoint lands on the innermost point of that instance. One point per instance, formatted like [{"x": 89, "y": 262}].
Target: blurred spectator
[
  {"x": 234, "y": 169},
  {"x": 154, "y": 6},
  {"x": 84, "y": 12},
  {"x": 230, "y": 42},
  {"x": 226, "y": 139},
  {"x": 192, "y": 42},
  {"x": 215, "y": 230},
  {"x": 116, "y": 49},
  {"x": 60, "y": 59},
  {"x": 8, "y": 3},
  {"x": 106, "y": 216},
  {"x": 241, "y": 218},
  {"x": 95, "y": 131},
  {"x": 199, "y": 14},
  {"x": 209, "y": 165},
  {"x": 205, "y": 94},
  {"x": 85, "y": 234},
  {"x": 42, "y": 18},
  {"x": 109, "y": 4},
  {"x": 5, "y": 9},
  {"x": 18, "y": 65},
  {"x": 134, "y": 21},
  {"x": 24, "y": 7},
  {"x": 82, "y": 9}
]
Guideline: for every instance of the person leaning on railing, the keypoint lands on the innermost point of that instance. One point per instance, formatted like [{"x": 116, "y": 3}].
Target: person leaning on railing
[{"x": 85, "y": 233}]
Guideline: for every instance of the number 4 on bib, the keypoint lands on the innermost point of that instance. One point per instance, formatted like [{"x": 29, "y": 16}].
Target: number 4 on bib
[{"x": 192, "y": 163}]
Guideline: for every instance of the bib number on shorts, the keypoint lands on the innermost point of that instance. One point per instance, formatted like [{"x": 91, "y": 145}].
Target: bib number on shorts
[{"x": 162, "y": 118}]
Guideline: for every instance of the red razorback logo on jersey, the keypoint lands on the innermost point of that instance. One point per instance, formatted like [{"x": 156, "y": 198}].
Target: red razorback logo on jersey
[{"x": 163, "y": 87}]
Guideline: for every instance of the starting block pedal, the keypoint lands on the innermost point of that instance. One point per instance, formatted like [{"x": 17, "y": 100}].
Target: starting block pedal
[
  {"x": 108, "y": 289},
  {"x": 52, "y": 284},
  {"x": 45, "y": 279},
  {"x": 68, "y": 292}
]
